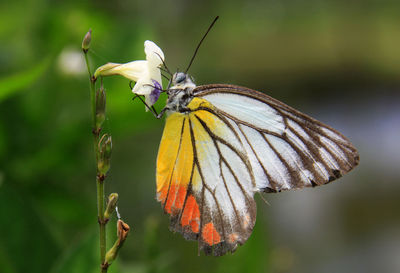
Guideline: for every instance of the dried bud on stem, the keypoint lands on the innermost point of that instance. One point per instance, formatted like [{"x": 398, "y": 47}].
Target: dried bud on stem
[{"x": 122, "y": 232}]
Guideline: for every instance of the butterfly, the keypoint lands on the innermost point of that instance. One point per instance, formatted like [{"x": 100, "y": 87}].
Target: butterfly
[{"x": 222, "y": 144}]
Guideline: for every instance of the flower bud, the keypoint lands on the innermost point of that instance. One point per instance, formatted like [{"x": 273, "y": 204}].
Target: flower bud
[
  {"x": 104, "y": 154},
  {"x": 100, "y": 106},
  {"x": 86, "y": 41},
  {"x": 111, "y": 205},
  {"x": 122, "y": 232}
]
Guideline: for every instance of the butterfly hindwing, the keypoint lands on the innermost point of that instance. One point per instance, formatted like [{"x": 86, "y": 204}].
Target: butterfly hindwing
[
  {"x": 286, "y": 148},
  {"x": 204, "y": 179}
]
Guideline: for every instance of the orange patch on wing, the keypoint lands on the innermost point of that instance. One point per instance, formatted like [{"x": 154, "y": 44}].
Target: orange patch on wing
[
  {"x": 191, "y": 214},
  {"x": 170, "y": 198},
  {"x": 175, "y": 199},
  {"x": 180, "y": 198},
  {"x": 210, "y": 235}
]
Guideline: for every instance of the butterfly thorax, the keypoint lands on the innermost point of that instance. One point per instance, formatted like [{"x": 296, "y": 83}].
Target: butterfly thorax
[{"x": 180, "y": 93}]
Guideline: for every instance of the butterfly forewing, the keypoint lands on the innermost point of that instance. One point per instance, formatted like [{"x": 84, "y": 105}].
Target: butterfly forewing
[{"x": 286, "y": 148}]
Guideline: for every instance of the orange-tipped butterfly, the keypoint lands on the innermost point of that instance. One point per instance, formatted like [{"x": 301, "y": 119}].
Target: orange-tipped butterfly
[{"x": 222, "y": 144}]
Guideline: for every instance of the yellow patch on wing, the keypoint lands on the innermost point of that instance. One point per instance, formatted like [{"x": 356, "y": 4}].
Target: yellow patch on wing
[
  {"x": 198, "y": 102},
  {"x": 217, "y": 126},
  {"x": 214, "y": 124},
  {"x": 175, "y": 164},
  {"x": 169, "y": 148},
  {"x": 175, "y": 155}
]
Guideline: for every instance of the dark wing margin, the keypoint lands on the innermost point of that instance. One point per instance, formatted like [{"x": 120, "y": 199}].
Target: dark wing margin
[{"x": 287, "y": 149}]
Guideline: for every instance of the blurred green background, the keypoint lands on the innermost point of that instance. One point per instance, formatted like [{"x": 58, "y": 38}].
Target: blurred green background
[{"x": 338, "y": 61}]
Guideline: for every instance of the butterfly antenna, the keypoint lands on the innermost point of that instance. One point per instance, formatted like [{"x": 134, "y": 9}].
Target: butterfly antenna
[
  {"x": 198, "y": 46},
  {"x": 165, "y": 77},
  {"x": 164, "y": 64}
]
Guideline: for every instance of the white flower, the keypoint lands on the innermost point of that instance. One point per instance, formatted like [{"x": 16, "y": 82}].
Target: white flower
[{"x": 146, "y": 74}]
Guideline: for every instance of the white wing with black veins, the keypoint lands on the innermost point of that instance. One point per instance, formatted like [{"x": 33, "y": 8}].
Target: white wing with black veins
[{"x": 286, "y": 148}]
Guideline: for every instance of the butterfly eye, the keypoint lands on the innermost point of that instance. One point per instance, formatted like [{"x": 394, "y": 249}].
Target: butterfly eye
[{"x": 180, "y": 77}]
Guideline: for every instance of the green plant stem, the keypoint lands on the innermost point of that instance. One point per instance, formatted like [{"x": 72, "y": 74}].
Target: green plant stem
[
  {"x": 87, "y": 63},
  {"x": 102, "y": 222},
  {"x": 99, "y": 177},
  {"x": 92, "y": 95}
]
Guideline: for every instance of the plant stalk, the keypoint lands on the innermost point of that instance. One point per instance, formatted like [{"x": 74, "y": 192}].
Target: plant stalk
[
  {"x": 102, "y": 144},
  {"x": 102, "y": 222},
  {"x": 99, "y": 177}
]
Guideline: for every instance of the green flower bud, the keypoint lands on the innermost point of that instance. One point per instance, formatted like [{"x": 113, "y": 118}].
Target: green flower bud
[
  {"x": 104, "y": 154},
  {"x": 111, "y": 205},
  {"x": 100, "y": 106},
  {"x": 86, "y": 41}
]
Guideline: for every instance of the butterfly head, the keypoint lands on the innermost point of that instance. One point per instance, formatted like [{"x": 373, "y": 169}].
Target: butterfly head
[
  {"x": 181, "y": 81},
  {"x": 181, "y": 91}
]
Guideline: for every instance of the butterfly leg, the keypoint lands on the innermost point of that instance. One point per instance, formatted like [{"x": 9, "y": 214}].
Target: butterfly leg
[
  {"x": 162, "y": 113},
  {"x": 151, "y": 109}
]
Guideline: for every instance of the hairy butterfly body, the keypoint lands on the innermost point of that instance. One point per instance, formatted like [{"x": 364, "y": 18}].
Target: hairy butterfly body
[{"x": 223, "y": 143}]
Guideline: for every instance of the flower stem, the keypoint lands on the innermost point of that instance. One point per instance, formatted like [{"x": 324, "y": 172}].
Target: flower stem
[
  {"x": 102, "y": 149},
  {"x": 102, "y": 222},
  {"x": 99, "y": 177}
]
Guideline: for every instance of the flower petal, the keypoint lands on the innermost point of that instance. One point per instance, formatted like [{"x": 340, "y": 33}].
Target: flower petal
[
  {"x": 154, "y": 54},
  {"x": 146, "y": 74},
  {"x": 132, "y": 70},
  {"x": 143, "y": 87}
]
